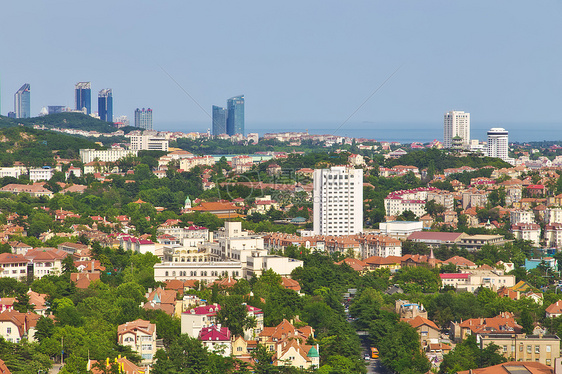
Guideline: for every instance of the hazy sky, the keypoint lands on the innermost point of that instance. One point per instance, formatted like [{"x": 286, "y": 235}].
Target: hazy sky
[{"x": 297, "y": 62}]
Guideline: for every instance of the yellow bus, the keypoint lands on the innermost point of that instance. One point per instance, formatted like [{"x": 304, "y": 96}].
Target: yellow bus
[{"x": 374, "y": 352}]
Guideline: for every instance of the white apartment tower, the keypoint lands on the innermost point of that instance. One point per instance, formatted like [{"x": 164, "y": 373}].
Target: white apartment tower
[
  {"x": 338, "y": 201},
  {"x": 456, "y": 123},
  {"x": 498, "y": 143}
]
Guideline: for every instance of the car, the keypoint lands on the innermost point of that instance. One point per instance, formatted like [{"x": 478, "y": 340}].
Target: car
[{"x": 367, "y": 357}]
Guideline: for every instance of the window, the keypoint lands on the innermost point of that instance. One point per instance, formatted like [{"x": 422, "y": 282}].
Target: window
[
  {"x": 505, "y": 348},
  {"x": 147, "y": 356},
  {"x": 239, "y": 349},
  {"x": 548, "y": 348},
  {"x": 9, "y": 330},
  {"x": 147, "y": 347},
  {"x": 529, "y": 349},
  {"x": 537, "y": 349}
]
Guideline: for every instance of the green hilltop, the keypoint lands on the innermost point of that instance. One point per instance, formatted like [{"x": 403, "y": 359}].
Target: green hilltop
[
  {"x": 37, "y": 147},
  {"x": 64, "y": 120}
]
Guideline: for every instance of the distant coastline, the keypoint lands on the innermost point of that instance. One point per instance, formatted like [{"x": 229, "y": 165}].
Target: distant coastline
[{"x": 400, "y": 132}]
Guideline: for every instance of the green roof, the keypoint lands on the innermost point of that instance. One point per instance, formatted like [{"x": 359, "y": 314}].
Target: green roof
[
  {"x": 312, "y": 353},
  {"x": 298, "y": 219}
]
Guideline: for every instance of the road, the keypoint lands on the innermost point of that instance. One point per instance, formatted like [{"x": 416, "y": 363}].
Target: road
[{"x": 55, "y": 369}]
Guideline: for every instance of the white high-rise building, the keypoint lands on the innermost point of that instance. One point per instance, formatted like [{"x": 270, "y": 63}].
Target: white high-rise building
[
  {"x": 338, "y": 201},
  {"x": 498, "y": 145},
  {"x": 456, "y": 123}
]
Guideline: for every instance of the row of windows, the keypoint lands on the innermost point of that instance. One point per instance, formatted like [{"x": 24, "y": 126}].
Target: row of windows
[{"x": 202, "y": 273}]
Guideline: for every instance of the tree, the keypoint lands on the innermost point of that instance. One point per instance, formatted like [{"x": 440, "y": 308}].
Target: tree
[{"x": 234, "y": 315}]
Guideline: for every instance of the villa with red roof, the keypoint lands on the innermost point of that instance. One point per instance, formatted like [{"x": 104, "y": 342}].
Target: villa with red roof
[
  {"x": 217, "y": 339},
  {"x": 426, "y": 329}
]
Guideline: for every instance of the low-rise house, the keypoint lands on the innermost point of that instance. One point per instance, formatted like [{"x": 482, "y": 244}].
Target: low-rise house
[
  {"x": 195, "y": 319},
  {"x": 35, "y": 189},
  {"x": 393, "y": 263},
  {"x": 217, "y": 339},
  {"x": 527, "y": 367},
  {"x": 15, "y": 326},
  {"x": 161, "y": 299},
  {"x": 504, "y": 323},
  {"x": 427, "y": 329},
  {"x": 140, "y": 335},
  {"x": 408, "y": 310},
  {"x": 554, "y": 310},
  {"x": 83, "y": 280},
  {"x": 460, "y": 262}
]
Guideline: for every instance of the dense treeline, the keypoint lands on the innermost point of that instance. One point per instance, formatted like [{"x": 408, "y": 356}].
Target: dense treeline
[
  {"x": 440, "y": 160},
  {"x": 65, "y": 120}
]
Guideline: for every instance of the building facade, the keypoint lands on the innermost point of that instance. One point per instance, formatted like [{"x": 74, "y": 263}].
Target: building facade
[
  {"x": 83, "y": 96},
  {"x": 219, "y": 120},
  {"x": 235, "y": 117},
  {"x": 105, "y": 155},
  {"x": 498, "y": 145},
  {"x": 22, "y": 102},
  {"x": 143, "y": 118},
  {"x": 149, "y": 143},
  {"x": 456, "y": 124},
  {"x": 105, "y": 105},
  {"x": 140, "y": 335},
  {"x": 338, "y": 201}
]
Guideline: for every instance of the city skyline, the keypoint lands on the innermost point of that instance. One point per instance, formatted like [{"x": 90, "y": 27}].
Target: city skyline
[{"x": 318, "y": 71}]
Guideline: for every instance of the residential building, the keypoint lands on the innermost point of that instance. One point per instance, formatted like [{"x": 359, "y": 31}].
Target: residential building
[
  {"x": 22, "y": 102},
  {"x": 235, "y": 116},
  {"x": 427, "y": 329},
  {"x": 216, "y": 339},
  {"x": 552, "y": 235},
  {"x": 15, "y": 326},
  {"x": 219, "y": 120},
  {"x": 527, "y": 231},
  {"x": 46, "y": 261},
  {"x": 13, "y": 266},
  {"x": 444, "y": 198},
  {"x": 503, "y": 323},
  {"x": 380, "y": 246},
  {"x": 413, "y": 200},
  {"x": 105, "y": 105},
  {"x": 471, "y": 279},
  {"x": 527, "y": 367},
  {"x": 498, "y": 145},
  {"x": 83, "y": 97},
  {"x": 521, "y": 347},
  {"x": 140, "y": 335},
  {"x": 143, "y": 118},
  {"x": 474, "y": 198},
  {"x": 149, "y": 143},
  {"x": 521, "y": 216},
  {"x": 338, "y": 201},
  {"x": 456, "y": 124},
  {"x": 35, "y": 189},
  {"x": 408, "y": 310},
  {"x": 105, "y": 155},
  {"x": 44, "y": 173},
  {"x": 554, "y": 310},
  {"x": 553, "y": 215},
  {"x": 13, "y": 172},
  {"x": 195, "y": 319},
  {"x": 400, "y": 229}
]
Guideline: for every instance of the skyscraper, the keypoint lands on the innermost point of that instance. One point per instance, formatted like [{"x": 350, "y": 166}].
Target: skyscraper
[
  {"x": 498, "y": 144},
  {"x": 143, "y": 118},
  {"x": 105, "y": 105},
  {"x": 219, "y": 120},
  {"x": 338, "y": 201},
  {"x": 456, "y": 124},
  {"x": 235, "y": 118},
  {"x": 22, "y": 100},
  {"x": 83, "y": 96}
]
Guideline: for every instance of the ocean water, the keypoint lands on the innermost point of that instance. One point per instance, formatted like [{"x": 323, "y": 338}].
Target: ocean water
[{"x": 400, "y": 132}]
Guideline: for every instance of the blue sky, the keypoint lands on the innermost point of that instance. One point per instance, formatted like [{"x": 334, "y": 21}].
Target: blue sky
[{"x": 300, "y": 64}]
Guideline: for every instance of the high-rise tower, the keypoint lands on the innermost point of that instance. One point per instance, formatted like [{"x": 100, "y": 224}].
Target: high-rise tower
[
  {"x": 498, "y": 145},
  {"x": 83, "y": 96},
  {"x": 456, "y": 124},
  {"x": 22, "y": 101},
  {"x": 338, "y": 201},
  {"x": 105, "y": 105},
  {"x": 219, "y": 120},
  {"x": 235, "y": 118},
  {"x": 143, "y": 118}
]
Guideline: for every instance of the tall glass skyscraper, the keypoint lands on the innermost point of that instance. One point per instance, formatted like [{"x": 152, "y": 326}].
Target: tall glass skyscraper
[
  {"x": 143, "y": 118},
  {"x": 105, "y": 105},
  {"x": 235, "y": 118},
  {"x": 22, "y": 101},
  {"x": 219, "y": 120},
  {"x": 83, "y": 96}
]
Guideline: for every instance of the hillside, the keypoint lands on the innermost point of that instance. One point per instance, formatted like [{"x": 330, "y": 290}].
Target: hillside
[
  {"x": 37, "y": 147},
  {"x": 64, "y": 120}
]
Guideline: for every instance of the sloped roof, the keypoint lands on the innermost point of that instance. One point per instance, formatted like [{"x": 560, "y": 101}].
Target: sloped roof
[
  {"x": 419, "y": 321},
  {"x": 460, "y": 261}
]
